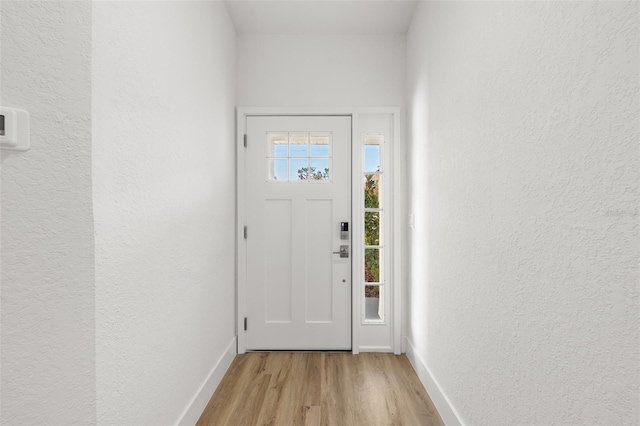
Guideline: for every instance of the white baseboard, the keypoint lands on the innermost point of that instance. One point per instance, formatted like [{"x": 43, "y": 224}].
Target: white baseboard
[
  {"x": 449, "y": 415},
  {"x": 198, "y": 403},
  {"x": 375, "y": 349}
]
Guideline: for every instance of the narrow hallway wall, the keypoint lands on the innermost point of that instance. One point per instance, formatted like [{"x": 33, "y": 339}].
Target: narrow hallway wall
[
  {"x": 47, "y": 258},
  {"x": 523, "y": 141},
  {"x": 320, "y": 70},
  {"x": 164, "y": 196}
]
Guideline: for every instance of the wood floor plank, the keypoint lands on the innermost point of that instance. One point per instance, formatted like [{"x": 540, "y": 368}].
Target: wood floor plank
[
  {"x": 311, "y": 381},
  {"x": 281, "y": 388},
  {"x": 276, "y": 367},
  {"x": 253, "y": 400},
  {"x": 313, "y": 416}
]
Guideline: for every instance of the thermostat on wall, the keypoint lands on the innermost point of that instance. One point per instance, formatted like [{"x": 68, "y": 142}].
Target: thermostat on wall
[{"x": 14, "y": 129}]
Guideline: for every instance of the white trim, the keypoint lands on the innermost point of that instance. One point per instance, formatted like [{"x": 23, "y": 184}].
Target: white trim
[
  {"x": 396, "y": 220},
  {"x": 357, "y": 274},
  {"x": 241, "y": 116},
  {"x": 386, "y": 349},
  {"x": 243, "y": 111},
  {"x": 445, "y": 408},
  {"x": 200, "y": 400},
  {"x": 241, "y": 247}
]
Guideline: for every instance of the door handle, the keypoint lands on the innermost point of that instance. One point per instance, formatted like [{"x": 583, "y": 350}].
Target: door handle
[{"x": 344, "y": 251}]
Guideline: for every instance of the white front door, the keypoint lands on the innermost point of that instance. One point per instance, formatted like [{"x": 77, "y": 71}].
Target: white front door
[{"x": 298, "y": 193}]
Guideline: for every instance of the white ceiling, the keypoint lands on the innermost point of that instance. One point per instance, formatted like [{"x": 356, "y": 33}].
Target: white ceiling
[{"x": 321, "y": 17}]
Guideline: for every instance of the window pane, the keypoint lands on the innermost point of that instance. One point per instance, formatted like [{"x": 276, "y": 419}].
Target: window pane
[
  {"x": 372, "y": 228},
  {"x": 278, "y": 145},
  {"x": 372, "y": 154},
  {"x": 278, "y": 170},
  {"x": 319, "y": 169},
  {"x": 298, "y": 169},
  {"x": 320, "y": 146},
  {"x": 372, "y": 191},
  {"x": 373, "y": 303},
  {"x": 299, "y": 145},
  {"x": 372, "y": 265}
]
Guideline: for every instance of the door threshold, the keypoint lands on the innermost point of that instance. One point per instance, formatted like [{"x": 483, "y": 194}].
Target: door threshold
[{"x": 311, "y": 351}]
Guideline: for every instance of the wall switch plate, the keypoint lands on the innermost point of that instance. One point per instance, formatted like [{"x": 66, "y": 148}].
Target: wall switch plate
[
  {"x": 14, "y": 129},
  {"x": 412, "y": 221}
]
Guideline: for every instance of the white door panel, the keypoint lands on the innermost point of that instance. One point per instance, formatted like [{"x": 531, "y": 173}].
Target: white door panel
[{"x": 298, "y": 290}]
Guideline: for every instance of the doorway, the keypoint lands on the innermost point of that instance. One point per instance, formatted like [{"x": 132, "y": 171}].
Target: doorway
[
  {"x": 298, "y": 251},
  {"x": 289, "y": 269}
]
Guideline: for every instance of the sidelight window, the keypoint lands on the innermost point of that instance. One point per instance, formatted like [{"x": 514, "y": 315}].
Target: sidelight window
[{"x": 374, "y": 219}]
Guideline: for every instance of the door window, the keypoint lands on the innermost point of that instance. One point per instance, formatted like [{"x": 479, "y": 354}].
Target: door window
[{"x": 299, "y": 157}]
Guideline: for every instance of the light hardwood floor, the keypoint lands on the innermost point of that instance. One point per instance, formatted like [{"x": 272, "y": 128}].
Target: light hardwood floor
[{"x": 283, "y": 388}]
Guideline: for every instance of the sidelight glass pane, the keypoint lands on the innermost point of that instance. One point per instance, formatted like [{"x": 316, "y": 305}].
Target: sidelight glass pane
[
  {"x": 372, "y": 228},
  {"x": 373, "y": 303},
  {"x": 277, "y": 169},
  {"x": 278, "y": 145},
  {"x": 298, "y": 169},
  {"x": 372, "y": 184},
  {"x": 319, "y": 169},
  {"x": 299, "y": 145},
  {"x": 372, "y": 265},
  {"x": 320, "y": 145},
  {"x": 372, "y": 144},
  {"x": 374, "y": 232}
]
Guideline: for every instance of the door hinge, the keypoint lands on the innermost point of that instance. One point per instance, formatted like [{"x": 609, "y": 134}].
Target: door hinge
[
  {"x": 245, "y": 140},
  {"x": 245, "y": 323},
  {"x": 246, "y": 232}
]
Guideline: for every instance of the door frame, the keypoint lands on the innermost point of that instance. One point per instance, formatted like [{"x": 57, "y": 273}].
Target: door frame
[{"x": 357, "y": 240}]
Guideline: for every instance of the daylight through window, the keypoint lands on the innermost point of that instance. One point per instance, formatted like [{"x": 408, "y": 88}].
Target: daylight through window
[
  {"x": 299, "y": 157},
  {"x": 374, "y": 257}
]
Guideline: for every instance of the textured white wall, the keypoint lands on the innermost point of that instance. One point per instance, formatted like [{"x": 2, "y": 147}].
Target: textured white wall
[
  {"x": 524, "y": 179},
  {"x": 320, "y": 71},
  {"x": 47, "y": 243},
  {"x": 163, "y": 164}
]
